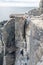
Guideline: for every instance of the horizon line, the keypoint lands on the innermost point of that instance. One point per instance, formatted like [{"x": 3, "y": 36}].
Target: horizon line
[{"x": 17, "y": 4}]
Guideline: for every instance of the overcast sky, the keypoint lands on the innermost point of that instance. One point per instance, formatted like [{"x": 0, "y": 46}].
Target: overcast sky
[
  {"x": 22, "y": 0},
  {"x": 20, "y": 3}
]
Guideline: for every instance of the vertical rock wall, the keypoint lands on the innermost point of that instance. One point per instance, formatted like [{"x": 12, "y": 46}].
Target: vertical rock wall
[
  {"x": 13, "y": 41},
  {"x": 36, "y": 42},
  {"x": 19, "y": 22},
  {"x": 9, "y": 42}
]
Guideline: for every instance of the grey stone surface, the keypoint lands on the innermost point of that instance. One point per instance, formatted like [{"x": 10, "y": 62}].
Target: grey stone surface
[
  {"x": 8, "y": 37},
  {"x": 36, "y": 44}
]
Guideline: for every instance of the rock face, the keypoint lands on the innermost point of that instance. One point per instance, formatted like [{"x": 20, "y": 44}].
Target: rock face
[
  {"x": 19, "y": 22},
  {"x": 41, "y": 6},
  {"x": 41, "y": 61},
  {"x": 8, "y": 37},
  {"x": 36, "y": 41},
  {"x": 1, "y": 47},
  {"x": 13, "y": 41},
  {"x": 2, "y": 23},
  {"x": 34, "y": 12}
]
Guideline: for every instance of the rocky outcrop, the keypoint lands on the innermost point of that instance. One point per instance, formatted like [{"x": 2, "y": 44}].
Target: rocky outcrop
[
  {"x": 36, "y": 42},
  {"x": 13, "y": 40},
  {"x": 14, "y": 49},
  {"x": 8, "y": 37},
  {"x": 35, "y": 12},
  {"x": 2, "y": 23}
]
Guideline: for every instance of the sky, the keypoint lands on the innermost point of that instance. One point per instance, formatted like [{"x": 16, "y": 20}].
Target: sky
[
  {"x": 21, "y": 0},
  {"x": 20, "y": 3}
]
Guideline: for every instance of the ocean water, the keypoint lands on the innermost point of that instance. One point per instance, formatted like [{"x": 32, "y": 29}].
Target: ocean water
[{"x": 6, "y": 11}]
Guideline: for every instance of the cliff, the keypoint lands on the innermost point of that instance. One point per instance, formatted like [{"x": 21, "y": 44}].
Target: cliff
[{"x": 34, "y": 12}]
